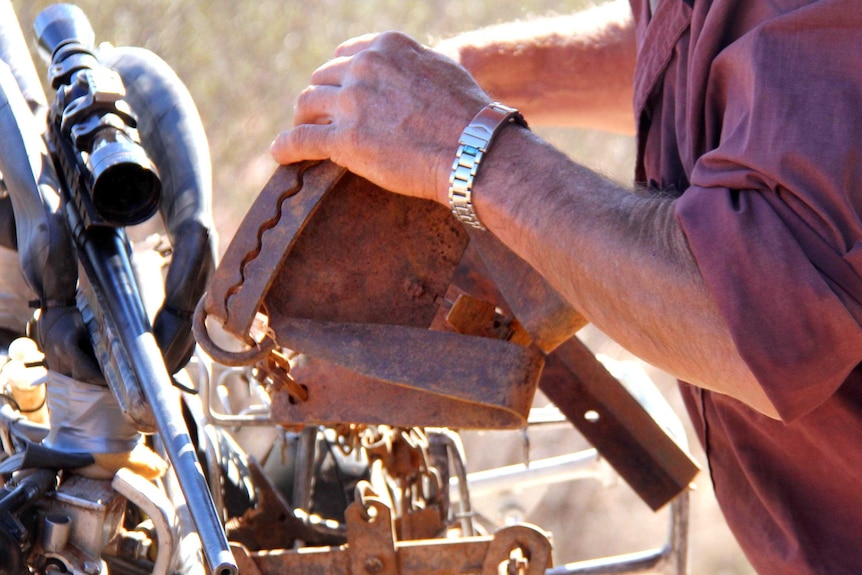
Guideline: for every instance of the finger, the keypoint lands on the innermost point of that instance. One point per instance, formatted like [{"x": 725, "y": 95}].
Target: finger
[
  {"x": 355, "y": 45},
  {"x": 330, "y": 73},
  {"x": 305, "y": 142},
  {"x": 314, "y": 104}
]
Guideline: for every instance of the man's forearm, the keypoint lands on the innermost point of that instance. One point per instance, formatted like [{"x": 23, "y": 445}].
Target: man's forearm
[
  {"x": 618, "y": 257},
  {"x": 572, "y": 70}
]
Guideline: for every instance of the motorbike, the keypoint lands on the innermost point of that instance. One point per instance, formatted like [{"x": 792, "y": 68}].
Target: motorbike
[{"x": 319, "y": 425}]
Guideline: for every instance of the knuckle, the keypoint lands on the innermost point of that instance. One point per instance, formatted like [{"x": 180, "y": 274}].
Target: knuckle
[
  {"x": 395, "y": 39},
  {"x": 386, "y": 48},
  {"x": 367, "y": 62}
]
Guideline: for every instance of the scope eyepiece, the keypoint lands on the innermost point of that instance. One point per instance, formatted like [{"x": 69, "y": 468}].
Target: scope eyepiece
[{"x": 62, "y": 24}]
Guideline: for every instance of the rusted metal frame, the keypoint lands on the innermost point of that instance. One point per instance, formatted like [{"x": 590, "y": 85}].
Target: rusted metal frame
[
  {"x": 613, "y": 421},
  {"x": 373, "y": 550},
  {"x": 464, "y": 555}
]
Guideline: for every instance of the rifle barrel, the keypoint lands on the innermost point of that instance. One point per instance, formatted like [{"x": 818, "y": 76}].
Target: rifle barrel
[{"x": 109, "y": 272}]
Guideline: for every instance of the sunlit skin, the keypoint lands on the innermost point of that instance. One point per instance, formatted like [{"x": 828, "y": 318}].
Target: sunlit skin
[{"x": 391, "y": 110}]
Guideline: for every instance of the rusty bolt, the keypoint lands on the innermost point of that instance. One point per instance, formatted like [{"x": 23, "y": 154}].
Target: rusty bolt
[
  {"x": 373, "y": 565},
  {"x": 414, "y": 288}
]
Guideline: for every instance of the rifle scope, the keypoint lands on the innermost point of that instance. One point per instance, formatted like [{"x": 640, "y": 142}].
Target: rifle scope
[{"x": 91, "y": 114}]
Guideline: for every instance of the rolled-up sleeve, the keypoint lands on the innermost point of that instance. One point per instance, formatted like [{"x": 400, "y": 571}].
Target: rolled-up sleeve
[{"x": 772, "y": 211}]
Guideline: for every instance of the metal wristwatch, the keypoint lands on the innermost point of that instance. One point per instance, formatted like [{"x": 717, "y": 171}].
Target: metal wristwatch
[{"x": 472, "y": 145}]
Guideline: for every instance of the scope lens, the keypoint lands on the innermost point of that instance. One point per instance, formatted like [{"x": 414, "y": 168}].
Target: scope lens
[{"x": 126, "y": 188}]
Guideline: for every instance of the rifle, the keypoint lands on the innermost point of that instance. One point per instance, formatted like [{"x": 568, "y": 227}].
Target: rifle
[{"x": 108, "y": 182}]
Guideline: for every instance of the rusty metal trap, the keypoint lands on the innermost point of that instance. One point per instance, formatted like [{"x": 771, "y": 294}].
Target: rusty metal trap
[{"x": 358, "y": 308}]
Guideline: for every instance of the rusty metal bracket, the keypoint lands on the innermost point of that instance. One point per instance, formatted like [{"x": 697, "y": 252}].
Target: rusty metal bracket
[
  {"x": 394, "y": 375},
  {"x": 626, "y": 435},
  {"x": 352, "y": 277},
  {"x": 268, "y": 232},
  {"x": 372, "y": 549},
  {"x": 545, "y": 315}
]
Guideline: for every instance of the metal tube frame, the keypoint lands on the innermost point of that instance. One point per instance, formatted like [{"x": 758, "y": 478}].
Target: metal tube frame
[{"x": 669, "y": 559}]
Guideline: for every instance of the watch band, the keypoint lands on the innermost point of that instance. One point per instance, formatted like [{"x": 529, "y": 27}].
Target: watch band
[{"x": 472, "y": 146}]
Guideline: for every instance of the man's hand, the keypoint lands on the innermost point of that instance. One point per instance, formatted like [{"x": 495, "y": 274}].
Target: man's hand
[{"x": 388, "y": 109}]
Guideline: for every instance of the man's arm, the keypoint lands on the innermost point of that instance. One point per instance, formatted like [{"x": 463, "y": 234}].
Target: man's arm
[
  {"x": 392, "y": 112},
  {"x": 574, "y": 70}
]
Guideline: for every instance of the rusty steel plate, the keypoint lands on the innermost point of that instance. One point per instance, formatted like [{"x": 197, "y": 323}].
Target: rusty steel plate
[
  {"x": 396, "y": 375},
  {"x": 369, "y": 256},
  {"x": 322, "y": 243}
]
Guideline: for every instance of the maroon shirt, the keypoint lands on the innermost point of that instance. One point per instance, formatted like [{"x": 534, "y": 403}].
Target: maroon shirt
[{"x": 751, "y": 111}]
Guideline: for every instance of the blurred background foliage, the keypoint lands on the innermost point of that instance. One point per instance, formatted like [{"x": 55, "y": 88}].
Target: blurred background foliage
[{"x": 246, "y": 62}]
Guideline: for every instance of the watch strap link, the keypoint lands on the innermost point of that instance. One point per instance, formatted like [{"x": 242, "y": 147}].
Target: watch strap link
[{"x": 472, "y": 146}]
